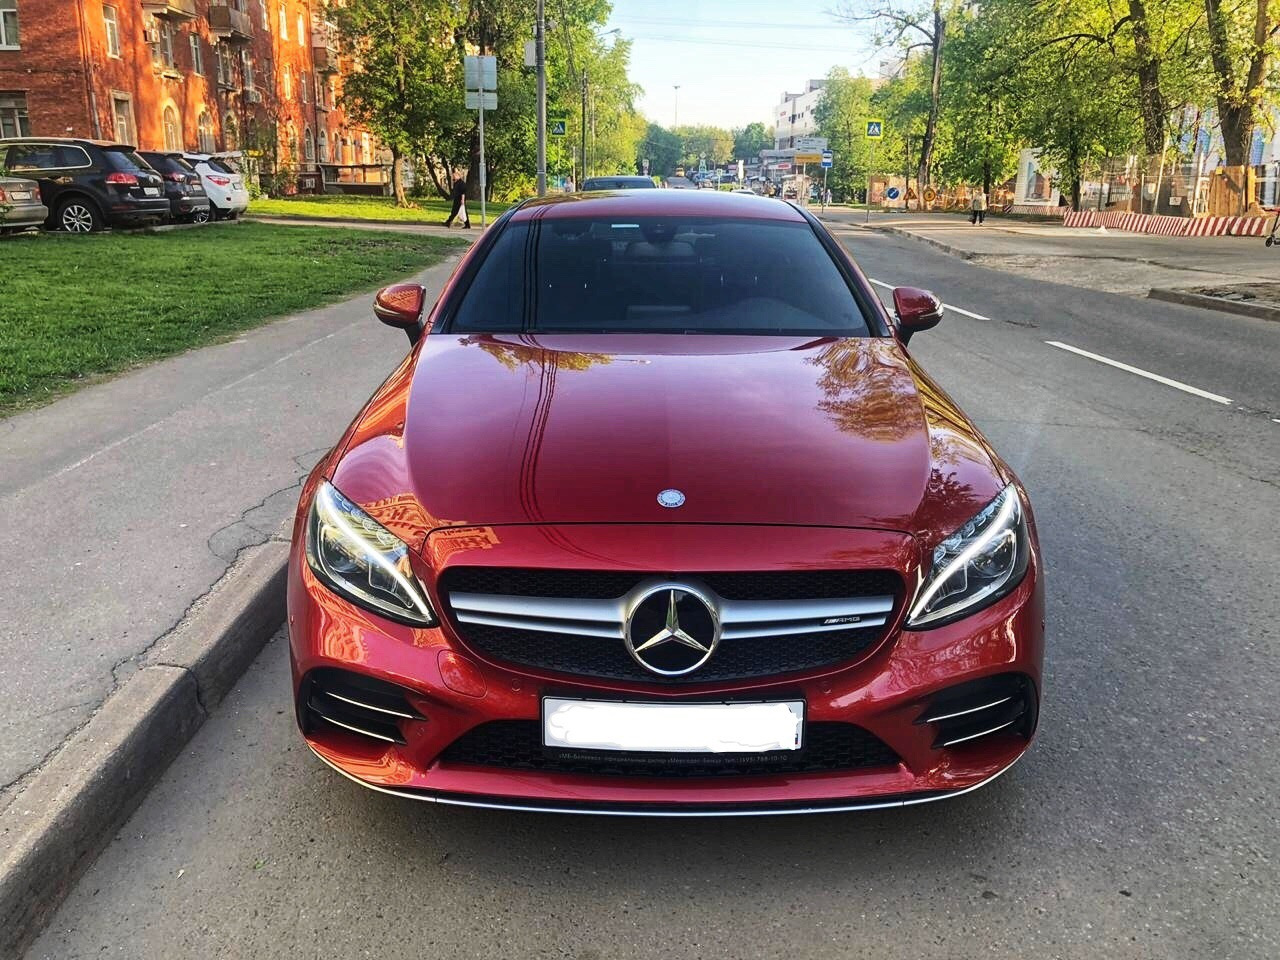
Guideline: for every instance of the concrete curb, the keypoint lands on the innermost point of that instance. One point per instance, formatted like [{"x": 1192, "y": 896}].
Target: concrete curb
[
  {"x": 56, "y": 826},
  {"x": 944, "y": 247},
  {"x": 1243, "y": 308}
]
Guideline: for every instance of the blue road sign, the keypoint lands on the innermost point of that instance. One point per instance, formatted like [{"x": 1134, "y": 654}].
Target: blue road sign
[
  {"x": 875, "y": 129},
  {"x": 893, "y": 193},
  {"x": 827, "y": 158}
]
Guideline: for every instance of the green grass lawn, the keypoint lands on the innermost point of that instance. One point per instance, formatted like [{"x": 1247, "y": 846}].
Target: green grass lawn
[
  {"x": 366, "y": 208},
  {"x": 74, "y": 308}
]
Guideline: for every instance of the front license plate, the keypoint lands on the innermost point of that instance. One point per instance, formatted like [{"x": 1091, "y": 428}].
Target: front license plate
[
  {"x": 672, "y": 727},
  {"x": 151, "y": 191},
  {"x": 20, "y": 194}
]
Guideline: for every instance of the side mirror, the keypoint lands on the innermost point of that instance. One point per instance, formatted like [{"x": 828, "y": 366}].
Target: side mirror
[
  {"x": 400, "y": 305},
  {"x": 916, "y": 309}
]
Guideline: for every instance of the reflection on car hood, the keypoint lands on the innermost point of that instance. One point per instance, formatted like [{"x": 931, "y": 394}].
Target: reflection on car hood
[{"x": 591, "y": 428}]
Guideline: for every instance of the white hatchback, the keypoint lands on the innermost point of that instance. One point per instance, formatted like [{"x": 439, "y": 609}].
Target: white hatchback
[{"x": 223, "y": 182}]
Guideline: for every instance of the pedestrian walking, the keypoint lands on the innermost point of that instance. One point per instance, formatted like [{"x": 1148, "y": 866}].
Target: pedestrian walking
[
  {"x": 459, "y": 196},
  {"x": 978, "y": 208},
  {"x": 826, "y": 197}
]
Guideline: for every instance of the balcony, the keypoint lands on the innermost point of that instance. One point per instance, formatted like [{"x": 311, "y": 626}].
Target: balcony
[
  {"x": 171, "y": 9},
  {"x": 235, "y": 26},
  {"x": 324, "y": 46}
]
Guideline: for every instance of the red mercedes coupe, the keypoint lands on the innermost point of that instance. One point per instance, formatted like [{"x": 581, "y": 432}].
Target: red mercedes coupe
[{"x": 659, "y": 516}]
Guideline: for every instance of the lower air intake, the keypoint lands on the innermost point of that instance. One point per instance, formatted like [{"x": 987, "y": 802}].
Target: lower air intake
[
  {"x": 354, "y": 703},
  {"x": 971, "y": 711}
]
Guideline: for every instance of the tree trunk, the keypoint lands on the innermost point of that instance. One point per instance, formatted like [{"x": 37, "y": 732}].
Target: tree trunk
[
  {"x": 935, "y": 95},
  {"x": 986, "y": 177},
  {"x": 397, "y": 178},
  {"x": 1150, "y": 98},
  {"x": 1238, "y": 97}
]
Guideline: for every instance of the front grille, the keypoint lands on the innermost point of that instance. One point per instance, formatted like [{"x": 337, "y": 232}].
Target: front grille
[
  {"x": 1005, "y": 703},
  {"x": 517, "y": 745},
  {"x": 571, "y": 623}
]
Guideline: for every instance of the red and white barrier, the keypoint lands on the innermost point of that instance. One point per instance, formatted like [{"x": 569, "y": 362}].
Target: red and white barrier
[
  {"x": 1034, "y": 209},
  {"x": 1166, "y": 226}
]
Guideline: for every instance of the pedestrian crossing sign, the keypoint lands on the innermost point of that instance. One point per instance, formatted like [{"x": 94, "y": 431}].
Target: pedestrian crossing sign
[
  {"x": 875, "y": 129},
  {"x": 557, "y": 126}
]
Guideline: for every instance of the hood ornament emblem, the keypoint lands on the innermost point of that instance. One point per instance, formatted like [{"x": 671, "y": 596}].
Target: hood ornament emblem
[{"x": 671, "y": 498}]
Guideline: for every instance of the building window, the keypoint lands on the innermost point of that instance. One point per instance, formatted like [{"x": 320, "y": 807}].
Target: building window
[
  {"x": 226, "y": 66},
  {"x": 284, "y": 23},
  {"x": 172, "y": 132},
  {"x": 197, "y": 55},
  {"x": 13, "y": 115},
  {"x": 288, "y": 82},
  {"x": 324, "y": 147},
  {"x": 309, "y": 145},
  {"x": 204, "y": 132},
  {"x": 302, "y": 87},
  {"x": 301, "y": 32},
  {"x": 266, "y": 17},
  {"x": 319, "y": 90},
  {"x": 230, "y": 132},
  {"x": 122, "y": 113},
  {"x": 9, "y": 24},
  {"x": 112, "y": 26},
  {"x": 162, "y": 42},
  {"x": 246, "y": 66}
]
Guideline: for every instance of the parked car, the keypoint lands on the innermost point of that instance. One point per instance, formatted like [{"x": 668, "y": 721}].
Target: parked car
[
  {"x": 223, "y": 183},
  {"x": 680, "y": 183},
  {"x": 675, "y": 594},
  {"x": 188, "y": 202},
  {"x": 618, "y": 183},
  {"x": 87, "y": 184},
  {"x": 20, "y": 206}
]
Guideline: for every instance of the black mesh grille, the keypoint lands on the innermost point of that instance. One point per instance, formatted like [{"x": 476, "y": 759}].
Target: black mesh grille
[
  {"x": 517, "y": 745},
  {"x": 737, "y": 659}
]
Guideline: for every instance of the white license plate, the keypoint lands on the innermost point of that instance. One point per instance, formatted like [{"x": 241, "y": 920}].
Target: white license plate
[
  {"x": 20, "y": 194},
  {"x": 672, "y": 727},
  {"x": 151, "y": 191}
]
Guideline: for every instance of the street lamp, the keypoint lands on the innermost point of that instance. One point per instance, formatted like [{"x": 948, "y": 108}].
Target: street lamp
[
  {"x": 675, "y": 122},
  {"x": 586, "y": 85}
]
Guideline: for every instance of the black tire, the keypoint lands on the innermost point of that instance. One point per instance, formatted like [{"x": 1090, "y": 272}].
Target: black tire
[
  {"x": 1270, "y": 241},
  {"x": 216, "y": 213},
  {"x": 201, "y": 216},
  {"x": 78, "y": 215}
]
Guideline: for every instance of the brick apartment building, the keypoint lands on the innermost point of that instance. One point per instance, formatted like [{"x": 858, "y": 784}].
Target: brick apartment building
[{"x": 261, "y": 76}]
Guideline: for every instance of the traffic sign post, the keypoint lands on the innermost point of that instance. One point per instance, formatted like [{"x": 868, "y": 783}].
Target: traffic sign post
[
  {"x": 827, "y": 159},
  {"x": 875, "y": 131},
  {"x": 480, "y": 76}
]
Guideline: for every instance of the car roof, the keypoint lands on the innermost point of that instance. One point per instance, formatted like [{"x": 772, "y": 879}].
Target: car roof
[
  {"x": 656, "y": 203},
  {"x": 75, "y": 141}
]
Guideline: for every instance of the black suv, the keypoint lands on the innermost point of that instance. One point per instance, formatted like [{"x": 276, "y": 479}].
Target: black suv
[
  {"x": 87, "y": 184},
  {"x": 187, "y": 200}
]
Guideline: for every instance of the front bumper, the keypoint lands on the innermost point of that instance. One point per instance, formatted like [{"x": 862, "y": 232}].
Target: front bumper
[{"x": 885, "y": 692}]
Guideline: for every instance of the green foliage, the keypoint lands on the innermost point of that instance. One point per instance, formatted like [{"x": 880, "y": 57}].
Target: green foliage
[
  {"x": 125, "y": 292},
  {"x": 748, "y": 141},
  {"x": 662, "y": 148},
  {"x": 715, "y": 144},
  {"x": 842, "y": 114}
]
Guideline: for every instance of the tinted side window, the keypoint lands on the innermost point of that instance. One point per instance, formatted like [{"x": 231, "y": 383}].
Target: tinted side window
[
  {"x": 32, "y": 156},
  {"x": 126, "y": 161},
  {"x": 67, "y": 156}
]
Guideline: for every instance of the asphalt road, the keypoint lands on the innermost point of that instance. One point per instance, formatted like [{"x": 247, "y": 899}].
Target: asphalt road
[{"x": 1140, "y": 825}]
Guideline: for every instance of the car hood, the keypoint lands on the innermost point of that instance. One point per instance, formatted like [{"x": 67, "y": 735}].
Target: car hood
[{"x": 501, "y": 429}]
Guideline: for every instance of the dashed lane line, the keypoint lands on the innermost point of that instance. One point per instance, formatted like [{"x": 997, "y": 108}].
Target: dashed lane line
[{"x": 1168, "y": 382}]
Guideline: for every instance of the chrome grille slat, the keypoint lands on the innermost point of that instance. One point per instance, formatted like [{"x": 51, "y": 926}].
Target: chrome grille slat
[
  {"x": 776, "y": 611},
  {"x": 548, "y": 608},
  {"x": 561, "y": 627},
  {"x": 369, "y": 706},
  {"x": 795, "y": 630},
  {"x": 352, "y": 727},
  {"x": 962, "y": 713}
]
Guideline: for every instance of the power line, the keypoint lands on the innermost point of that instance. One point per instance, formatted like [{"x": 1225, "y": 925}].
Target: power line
[{"x": 755, "y": 44}]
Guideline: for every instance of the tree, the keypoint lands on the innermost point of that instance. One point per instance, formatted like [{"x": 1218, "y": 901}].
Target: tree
[
  {"x": 662, "y": 148},
  {"x": 748, "y": 141},
  {"x": 841, "y": 116},
  {"x": 1242, "y": 39},
  {"x": 927, "y": 26},
  {"x": 395, "y": 45},
  {"x": 705, "y": 142}
]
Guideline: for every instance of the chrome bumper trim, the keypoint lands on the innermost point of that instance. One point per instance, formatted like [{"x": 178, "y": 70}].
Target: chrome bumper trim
[{"x": 607, "y": 811}]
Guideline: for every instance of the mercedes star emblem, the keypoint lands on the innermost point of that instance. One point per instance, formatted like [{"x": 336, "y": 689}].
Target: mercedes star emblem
[
  {"x": 672, "y": 629},
  {"x": 671, "y": 498}
]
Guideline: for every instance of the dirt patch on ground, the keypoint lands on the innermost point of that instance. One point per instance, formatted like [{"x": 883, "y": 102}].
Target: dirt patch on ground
[
  {"x": 1261, "y": 294},
  {"x": 1109, "y": 276}
]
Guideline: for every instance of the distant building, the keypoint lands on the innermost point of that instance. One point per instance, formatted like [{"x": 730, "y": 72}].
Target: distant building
[
  {"x": 796, "y": 115},
  {"x": 199, "y": 75}
]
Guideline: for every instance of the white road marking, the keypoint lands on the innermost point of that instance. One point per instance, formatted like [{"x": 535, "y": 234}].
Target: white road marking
[
  {"x": 949, "y": 306},
  {"x": 1176, "y": 384}
]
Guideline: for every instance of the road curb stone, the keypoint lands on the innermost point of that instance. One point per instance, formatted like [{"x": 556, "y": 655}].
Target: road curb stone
[
  {"x": 52, "y": 831},
  {"x": 1189, "y": 299}
]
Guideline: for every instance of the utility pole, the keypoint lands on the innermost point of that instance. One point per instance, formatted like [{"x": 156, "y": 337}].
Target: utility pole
[
  {"x": 540, "y": 42},
  {"x": 585, "y": 83},
  {"x": 675, "y": 122}
]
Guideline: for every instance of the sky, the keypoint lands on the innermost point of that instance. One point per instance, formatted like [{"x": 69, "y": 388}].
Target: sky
[{"x": 734, "y": 58}]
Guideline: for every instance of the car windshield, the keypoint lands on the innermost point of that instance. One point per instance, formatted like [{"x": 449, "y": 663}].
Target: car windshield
[
  {"x": 126, "y": 160},
  {"x": 222, "y": 165},
  {"x": 660, "y": 275},
  {"x": 618, "y": 183}
]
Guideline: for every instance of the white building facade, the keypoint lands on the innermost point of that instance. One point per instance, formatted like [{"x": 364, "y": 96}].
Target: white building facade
[{"x": 796, "y": 115}]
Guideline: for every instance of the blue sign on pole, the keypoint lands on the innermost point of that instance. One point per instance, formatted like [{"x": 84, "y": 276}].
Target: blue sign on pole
[
  {"x": 827, "y": 158},
  {"x": 893, "y": 193},
  {"x": 875, "y": 129}
]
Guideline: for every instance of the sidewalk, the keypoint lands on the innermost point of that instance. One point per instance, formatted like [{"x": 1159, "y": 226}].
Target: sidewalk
[
  {"x": 1114, "y": 261},
  {"x": 131, "y": 498},
  {"x": 429, "y": 229}
]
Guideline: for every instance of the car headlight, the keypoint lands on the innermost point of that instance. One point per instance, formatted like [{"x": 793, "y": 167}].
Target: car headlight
[
  {"x": 975, "y": 566},
  {"x": 363, "y": 561}
]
